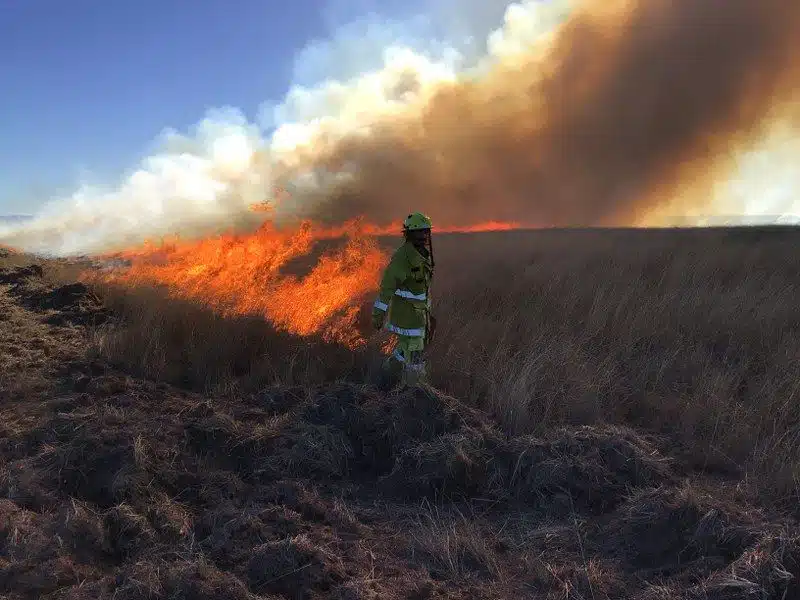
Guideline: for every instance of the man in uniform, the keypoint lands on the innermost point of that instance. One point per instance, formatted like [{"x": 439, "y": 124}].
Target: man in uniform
[{"x": 404, "y": 305}]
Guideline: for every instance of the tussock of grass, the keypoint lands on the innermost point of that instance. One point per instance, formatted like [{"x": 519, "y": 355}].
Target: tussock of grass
[
  {"x": 189, "y": 345},
  {"x": 455, "y": 546}
]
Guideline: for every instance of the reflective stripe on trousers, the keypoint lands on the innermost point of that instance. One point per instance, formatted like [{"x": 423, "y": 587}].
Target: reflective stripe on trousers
[
  {"x": 420, "y": 332},
  {"x": 416, "y": 363}
]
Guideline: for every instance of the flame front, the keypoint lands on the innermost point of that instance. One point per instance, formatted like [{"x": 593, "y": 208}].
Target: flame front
[{"x": 250, "y": 274}]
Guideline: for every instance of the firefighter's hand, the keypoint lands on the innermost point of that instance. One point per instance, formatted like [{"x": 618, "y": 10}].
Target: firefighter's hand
[{"x": 378, "y": 317}]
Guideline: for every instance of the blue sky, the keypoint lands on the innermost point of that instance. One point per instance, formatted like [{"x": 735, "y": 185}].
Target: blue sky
[{"x": 87, "y": 85}]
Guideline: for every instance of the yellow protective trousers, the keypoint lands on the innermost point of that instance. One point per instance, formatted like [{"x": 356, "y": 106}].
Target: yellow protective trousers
[{"x": 406, "y": 363}]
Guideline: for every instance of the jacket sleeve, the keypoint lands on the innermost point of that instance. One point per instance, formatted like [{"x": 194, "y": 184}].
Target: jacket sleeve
[{"x": 393, "y": 276}]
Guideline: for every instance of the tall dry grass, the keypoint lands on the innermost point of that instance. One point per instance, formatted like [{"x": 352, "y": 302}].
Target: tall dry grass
[
  {"x": 183, "y": 343},
  {"x": 694, "y": 334}
]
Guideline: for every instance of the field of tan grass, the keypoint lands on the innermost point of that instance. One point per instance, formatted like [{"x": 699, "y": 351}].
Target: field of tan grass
[
  {"x": 693, "y": 333},
  {"x": 613, "y": 415}
]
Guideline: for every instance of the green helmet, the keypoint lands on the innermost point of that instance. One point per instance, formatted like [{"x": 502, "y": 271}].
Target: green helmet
[{"x": 416, "y": 221}]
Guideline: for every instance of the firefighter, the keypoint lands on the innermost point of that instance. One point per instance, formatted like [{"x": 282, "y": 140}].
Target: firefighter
[{"x": 403, "y": 306}]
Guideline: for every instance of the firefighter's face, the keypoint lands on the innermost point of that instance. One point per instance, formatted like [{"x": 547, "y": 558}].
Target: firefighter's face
[{"x": 419, "y": 238}]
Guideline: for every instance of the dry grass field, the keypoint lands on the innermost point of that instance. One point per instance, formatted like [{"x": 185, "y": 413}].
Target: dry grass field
[{"x": 613, "y": 414}]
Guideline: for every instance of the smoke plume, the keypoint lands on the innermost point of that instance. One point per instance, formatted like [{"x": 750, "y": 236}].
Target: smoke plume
[
  {"x": 591, "y": 113},
  {"x": 634, "y": 106}
]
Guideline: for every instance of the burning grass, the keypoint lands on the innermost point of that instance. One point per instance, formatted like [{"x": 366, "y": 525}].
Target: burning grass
[{"x": 247, "y": 276}]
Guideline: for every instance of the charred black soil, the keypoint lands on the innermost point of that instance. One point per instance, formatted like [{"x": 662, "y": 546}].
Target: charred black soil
[{"x": 115, "y": 486}]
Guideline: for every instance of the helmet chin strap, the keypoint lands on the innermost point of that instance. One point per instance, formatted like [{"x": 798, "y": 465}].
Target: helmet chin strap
[{"x": 430, "y": 248}]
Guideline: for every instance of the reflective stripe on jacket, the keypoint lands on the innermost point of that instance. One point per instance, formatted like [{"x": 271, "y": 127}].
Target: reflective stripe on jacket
[{"x": 404, "y": 291}]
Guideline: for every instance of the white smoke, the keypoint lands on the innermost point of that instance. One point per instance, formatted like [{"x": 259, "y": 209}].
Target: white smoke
[
  {"x": 207, "y": 181},
  {"x": 763, "y": 186}
]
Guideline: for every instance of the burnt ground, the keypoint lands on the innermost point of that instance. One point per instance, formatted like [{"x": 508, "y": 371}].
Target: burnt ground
[{"x": 118, "y": 487}]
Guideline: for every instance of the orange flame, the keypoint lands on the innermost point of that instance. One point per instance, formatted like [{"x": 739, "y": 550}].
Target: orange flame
[{"x": 251, "y": 274}]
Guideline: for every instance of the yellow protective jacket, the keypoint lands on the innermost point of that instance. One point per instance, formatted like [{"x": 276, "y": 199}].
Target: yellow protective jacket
[{"x": 405, "y": 292}]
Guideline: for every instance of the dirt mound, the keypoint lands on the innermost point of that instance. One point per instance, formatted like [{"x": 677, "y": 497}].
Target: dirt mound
[
  {"x": 585, "y": 469},
  {"x": 64, "y": 297},
  {"x": 17, "y": 275},
  {"x": 68, "y": 304},
  {"x": 292, "y": 567},
  {"x": 662, "y": 529},
  {"x": 342, "y": 432},
  {"x": 376, "y": 428},
  {"x": 708, "y": 545},
  {"x": 767, "y": 570},
  {"x": 420, "y": 444}
]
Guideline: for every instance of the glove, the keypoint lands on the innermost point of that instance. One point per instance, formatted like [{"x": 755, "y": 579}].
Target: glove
[{"x": 378, "y": 317}]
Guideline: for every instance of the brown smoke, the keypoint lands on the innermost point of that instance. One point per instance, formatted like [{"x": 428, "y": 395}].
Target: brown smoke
[{"x": 635, "y": 101}]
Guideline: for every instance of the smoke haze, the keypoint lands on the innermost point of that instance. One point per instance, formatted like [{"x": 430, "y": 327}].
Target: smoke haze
[{"x": 592, "y": 113}]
